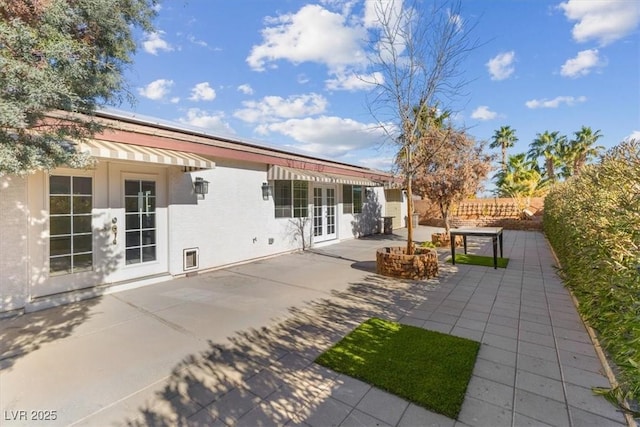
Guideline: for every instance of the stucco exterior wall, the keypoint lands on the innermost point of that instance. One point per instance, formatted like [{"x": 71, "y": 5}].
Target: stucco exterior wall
[
  {"x": 232, "y": 223},
  {"x": 368, "y": 221},
  {"x": 13, "y": 242}
]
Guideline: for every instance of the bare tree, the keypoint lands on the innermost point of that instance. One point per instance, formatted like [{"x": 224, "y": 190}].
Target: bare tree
[{"x": 418, "y": 51}]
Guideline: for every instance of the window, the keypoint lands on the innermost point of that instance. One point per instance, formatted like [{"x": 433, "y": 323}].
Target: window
[
  {"x": 282, "y": 198},
  {"x": 291, "y": 199},
  {"x": 300, "y": 199},
  {"x": 351, "y": 199},
  {"x": 357, "y": 200},
  {"x": 70, "y": 233},
  {"x": 347, "y": 199}
]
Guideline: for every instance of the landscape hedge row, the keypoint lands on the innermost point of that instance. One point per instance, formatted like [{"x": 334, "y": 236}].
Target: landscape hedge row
[{"x": 593, "y": 223}]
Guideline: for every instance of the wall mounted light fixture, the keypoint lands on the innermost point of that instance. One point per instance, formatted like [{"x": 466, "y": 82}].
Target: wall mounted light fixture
[
  {"x": 200, "y": 186},
  {"x": 266, "y": 191}
]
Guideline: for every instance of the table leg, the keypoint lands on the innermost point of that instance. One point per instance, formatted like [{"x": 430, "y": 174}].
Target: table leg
[
  {"x": 495, "y": 252},
  {"x": 464, "y": 240},
  {"x": 500, "y": 237},
  {"x": 453, "y": 249}
]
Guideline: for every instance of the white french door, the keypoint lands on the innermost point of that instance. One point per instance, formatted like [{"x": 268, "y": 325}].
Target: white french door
[
  {"x": 139, "y": 226},
  {"x": 324, "y": 213},
  {"x": 140, "y": 237}
]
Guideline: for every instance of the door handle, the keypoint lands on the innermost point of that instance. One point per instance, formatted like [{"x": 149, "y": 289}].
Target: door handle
[{"x": 114, "y": 229}]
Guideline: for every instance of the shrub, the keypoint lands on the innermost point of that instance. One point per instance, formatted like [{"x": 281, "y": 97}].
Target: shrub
[{"x": 593, "y": 223}]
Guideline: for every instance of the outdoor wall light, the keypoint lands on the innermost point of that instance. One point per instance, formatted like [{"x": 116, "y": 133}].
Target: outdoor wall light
[
  {"x": 200, "y": 186},
  {"x": 266, "y": 191}
]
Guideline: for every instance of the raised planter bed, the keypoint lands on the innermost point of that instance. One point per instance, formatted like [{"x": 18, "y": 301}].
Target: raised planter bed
[
  {"x": 444, "y": 240},
  {"x": 394, "y": 262}
]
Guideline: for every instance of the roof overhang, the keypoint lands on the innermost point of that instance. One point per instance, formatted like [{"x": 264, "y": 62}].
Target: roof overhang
[{"x": 136, "y": 153}]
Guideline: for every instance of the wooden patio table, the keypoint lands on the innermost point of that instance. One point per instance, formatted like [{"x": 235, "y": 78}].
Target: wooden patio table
[{"x": 494, "y": 232}]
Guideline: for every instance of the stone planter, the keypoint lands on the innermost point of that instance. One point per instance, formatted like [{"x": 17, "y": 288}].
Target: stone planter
[
  {"x": 443, "y": 240},
  {"x": 394, "y": 262}
]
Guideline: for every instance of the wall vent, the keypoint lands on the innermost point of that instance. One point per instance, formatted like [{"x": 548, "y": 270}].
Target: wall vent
[{"x": 191, "y": 259}]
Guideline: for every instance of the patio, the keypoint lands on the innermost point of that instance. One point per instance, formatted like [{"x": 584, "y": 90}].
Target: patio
[{"x": 236, "y": 346}]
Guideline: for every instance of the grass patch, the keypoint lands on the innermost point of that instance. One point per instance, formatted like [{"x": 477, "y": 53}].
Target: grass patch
[
  {"x": 428, "y": 368},
  {"x": 486, "y": 261}
]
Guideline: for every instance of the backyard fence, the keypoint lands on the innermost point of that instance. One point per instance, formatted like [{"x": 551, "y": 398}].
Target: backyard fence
[{"x": 491, "y": 212}]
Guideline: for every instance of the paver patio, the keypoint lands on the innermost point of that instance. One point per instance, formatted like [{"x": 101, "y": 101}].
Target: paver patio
[{"x": 236, "y": 346}]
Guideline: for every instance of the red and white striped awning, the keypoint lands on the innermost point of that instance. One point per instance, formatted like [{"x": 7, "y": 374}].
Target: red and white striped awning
[
  {"x": 137, "y": 153},
  {"x": 276, "y": 172}
]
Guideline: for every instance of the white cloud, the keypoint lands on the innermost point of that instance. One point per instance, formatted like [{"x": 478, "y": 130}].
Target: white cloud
[
  {"x": 202, "y": 92},
  {"x": 272, "y": 108},
  {"x": 555, "y": 102},
  {"x": 634, "y": 135},
  {"x": 302, "y": 79},
  {"x": 196, "y": 41},
  {"x": 312, "y": 34},
  {"x": 157, "y": 89},
  {"x": 153, "y": 43},
  {"x": 211, "y": 121},
  {"x": 375, "y": 9},
  {"x": 384, "y": 163},
  {"x": 483, "y": 113},
  {"x": 602, "y": 20},
  {"x": 582, "y": 64},
  {"x": 353, "y": 82},
  {"x": 328, "y": 136},
  {"x": 345, "y": 6},
  {"x": 501, "y": 66},
  {"x": 246, "y": 89}
]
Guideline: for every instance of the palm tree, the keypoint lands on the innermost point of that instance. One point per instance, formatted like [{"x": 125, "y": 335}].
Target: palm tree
[
  {"x": 582, "y": 147},
  {"x": 504, "y": 138},
  {"x": 566, "y": 157},
  {"x": 431, "y": 125},
  {"x": 548, "y": 145},
  {"x": 521, "y": 179}
]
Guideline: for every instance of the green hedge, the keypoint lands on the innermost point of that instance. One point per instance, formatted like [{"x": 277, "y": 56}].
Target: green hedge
[{"x": 593, "y": 223}]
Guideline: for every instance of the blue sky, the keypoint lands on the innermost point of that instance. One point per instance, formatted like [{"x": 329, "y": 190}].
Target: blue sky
[{"x": 284, "y": 73}]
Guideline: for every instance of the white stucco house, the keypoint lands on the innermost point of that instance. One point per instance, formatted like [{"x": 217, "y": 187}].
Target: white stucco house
[{"x": 165, "y": 201}]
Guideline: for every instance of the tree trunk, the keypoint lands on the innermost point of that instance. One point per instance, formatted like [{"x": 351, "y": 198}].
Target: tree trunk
[
  {"x": 409, "y": 217},
  {"x": 504, "y": 158},
  {"x": 551, "y": 170},
  {"x": 444, "y": 211}
]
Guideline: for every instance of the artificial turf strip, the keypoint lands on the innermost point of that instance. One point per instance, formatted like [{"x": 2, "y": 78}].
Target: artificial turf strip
[
  {"x": 428, "y": 368},
  {"x": 486, "y": 261}
]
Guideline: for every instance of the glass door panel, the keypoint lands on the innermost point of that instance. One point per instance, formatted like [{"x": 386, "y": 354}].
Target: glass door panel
[
  {"x": 140, "y": 221},
  {"x": 331, "y": 210},
  {"x": 324, "y": 213},
  {"x": 317, "y": 212}
]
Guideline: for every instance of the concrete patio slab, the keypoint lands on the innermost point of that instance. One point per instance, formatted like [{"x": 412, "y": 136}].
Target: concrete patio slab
[{"x": 236, "y": 346}]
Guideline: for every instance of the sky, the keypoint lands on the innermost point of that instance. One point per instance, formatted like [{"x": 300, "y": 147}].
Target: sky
[{"x": 287, "y": 73}]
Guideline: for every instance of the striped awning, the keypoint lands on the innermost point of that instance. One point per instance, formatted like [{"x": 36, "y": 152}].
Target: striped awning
[
  {"x": 276, "y": 172},
  {"x": 137, "y": 153}
]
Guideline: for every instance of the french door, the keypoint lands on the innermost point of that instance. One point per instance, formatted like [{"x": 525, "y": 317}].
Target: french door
[
  {"x": 324, "y": 213},
  {"x": 138, "y": 238},
  {"x": 140, "y": 221}
]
